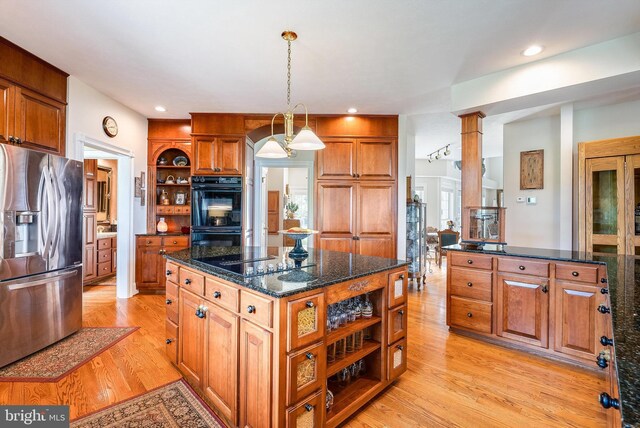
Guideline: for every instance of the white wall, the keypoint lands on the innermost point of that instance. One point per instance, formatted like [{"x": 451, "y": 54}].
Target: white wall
[
  {"x": 537, "y": 225},
  {"x": 613, "y": 121},
  {"x": 85, "y": 111}
]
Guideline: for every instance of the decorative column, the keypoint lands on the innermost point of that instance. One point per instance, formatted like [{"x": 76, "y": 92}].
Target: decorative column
[{"x": 471, "y": 164}]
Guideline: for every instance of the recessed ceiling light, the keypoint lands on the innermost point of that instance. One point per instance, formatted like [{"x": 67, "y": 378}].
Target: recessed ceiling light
[
  {"x": 161, "y": 108},
  {"x": 352, "y": 110},
  {"x": 532, "y": 50}
]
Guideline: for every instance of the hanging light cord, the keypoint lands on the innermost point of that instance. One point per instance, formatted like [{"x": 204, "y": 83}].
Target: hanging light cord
[{"x": 289, "y": 75}]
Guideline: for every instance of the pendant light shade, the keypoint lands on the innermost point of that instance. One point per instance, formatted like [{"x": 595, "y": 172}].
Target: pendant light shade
[
  {"x": 272, "y": 150},
  {"x": 306, "y": 140}
]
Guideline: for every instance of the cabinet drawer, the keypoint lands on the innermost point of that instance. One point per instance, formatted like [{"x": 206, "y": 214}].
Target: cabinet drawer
[
  {"x": 470, "y": 314},
  {"x": 396, "y": 359},
  {"x": 164, "y": 209},
  {"x": 305, "y": 321},
  {"x": 182, "y": 209},
  {"x": 175, "y": 241},
  {"x": 307, "y": 414},
  {"x": 171, "y": 272},
  {"x": 471, "y": 283},
  {"x": 476, "y": 261},
  {"x": 104, "y": 255},
  {"x": 305, "y": 372},
  {"x": 581, "y": 273},
  {"x": 257, "y": 309},
  {"x": 104, "y": 268},
  {"x": 397, "y": 288},
  {"x": 104, "y": 243},
  {"x": 397, "y": 323},
  {"x": 192, "y": 281},
  {"x": 171, "y": 302},
  {"x": 222, "y": 294},
  {"x": 171, "y": 341},
  {"x": 149, "y": 241},
  {"x": 523, "y": 267}
]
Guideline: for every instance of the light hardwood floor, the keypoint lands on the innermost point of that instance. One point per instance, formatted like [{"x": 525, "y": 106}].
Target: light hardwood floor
[{"x": 451, "y": 380}]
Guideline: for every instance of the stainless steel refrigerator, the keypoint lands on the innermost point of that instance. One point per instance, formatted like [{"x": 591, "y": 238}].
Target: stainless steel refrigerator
[{"x": 40, "y": 250}]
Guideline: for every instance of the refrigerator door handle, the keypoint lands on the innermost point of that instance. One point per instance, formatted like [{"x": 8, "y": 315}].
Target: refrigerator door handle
[
  {"x": 56, "y": 220},
  {"x": 28, "y": 282}
]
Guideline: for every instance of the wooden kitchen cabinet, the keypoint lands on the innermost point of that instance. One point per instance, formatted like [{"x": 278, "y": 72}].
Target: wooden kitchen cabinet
[
  {"x": 150, "y": 251},
  {"x": 39, "y": 122},
  {"x": 337, "y": 232},
  {"x": 255, "y": 375},
  {"x": 6, "y": 110},
  {"x": 217, "y": 155},
  {"x": 191, "y": 336},
  {"x": 337, "y": 161},
  {"x": 89, "y": 264},
  {"x": 357, "y": 158},
  {"x": 523, "y": 309},
  {"x": 221, "y": 361}
]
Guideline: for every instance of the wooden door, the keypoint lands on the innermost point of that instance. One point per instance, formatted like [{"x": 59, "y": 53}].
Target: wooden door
[
  {"x": 273, "y": 212},
  {"x": 228, "y": 156},
  {"x": 40, "y": 122},
  {"x": 523, "y": 309},
  {"x": 89, "y": 262},
  {"x": 255, "y": 376},
  {"x": 203, "y": 155},
  {"x": 221, "y": 361},
  {"x": 249, "y": 192},
  {"x": 337, "y": 160},
  {"x": 191, "y": 337},
  {"x": 6, "y": 110},
  {"x": 577, "y": 320},
  {"x": 604, "y": 205},
  {"x": 149, "y": 263},
  {"x": 376, "y": 219},
  {"x": 632, "y": 203},
  {"x": 376, "y": 159},
  {"x": 90, "y": 184},
  {"x": 336, "y": 215}
]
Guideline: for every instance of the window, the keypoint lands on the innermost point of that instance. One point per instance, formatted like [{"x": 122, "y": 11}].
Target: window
[
  {"x": 446, "y": 207},
  {"x": 298, "y": 195}
]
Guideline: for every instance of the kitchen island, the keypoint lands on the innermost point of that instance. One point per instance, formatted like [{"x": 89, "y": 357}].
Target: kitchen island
[
  {"x": 571, "y": 306},
  {"x": 258, "y": 346}
]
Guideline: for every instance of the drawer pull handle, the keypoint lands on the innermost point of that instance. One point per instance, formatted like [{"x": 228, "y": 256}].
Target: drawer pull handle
[
  {"x": 604, "y": 290},
  {"x": 217, "y": 294},
  {"x": 602, "y": 362},
  {"x": 187, "y": 281},
  {"x": 309, "y": 304},
  {"x": 401, "y": 312},
  {"x": 400, "y": 347},
  {"x": 545, "y": 288},
  {"x": 469, "y": 284},
  {"x": 148, "y": 242},
  {"x": 309, "y": 356},
  {"x": 308, "y": 407},
  {"x": 607, "y": 402},
  {"x": 175, "y": 242},
  {"x": 168, "y": 301},
  {"x": 603, "y": 280},
  {"x": 168, "y": 341},
  {"x": 603, "y": 309},
  {"x": 521, "y": 267},
  {"x": 469, "y": 314},
  {"x": 470, "y": 261},
  {"x": 169, "y": 272},
  {"x": 605, "y": 341},
  {"x": 251, "y": 309},
  {"x": 575, "y": 273}
]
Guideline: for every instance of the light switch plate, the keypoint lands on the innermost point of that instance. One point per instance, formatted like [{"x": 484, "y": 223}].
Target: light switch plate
[{"x": 531, "y": 200}]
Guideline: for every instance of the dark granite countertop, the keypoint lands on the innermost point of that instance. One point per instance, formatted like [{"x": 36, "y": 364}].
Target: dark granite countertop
[
  {"x": 326, "y": 268},
  {"x": 623, "y": 273}
]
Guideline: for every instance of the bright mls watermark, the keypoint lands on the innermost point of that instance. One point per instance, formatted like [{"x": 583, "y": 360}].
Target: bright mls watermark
[{"x": 34, "y": 416}]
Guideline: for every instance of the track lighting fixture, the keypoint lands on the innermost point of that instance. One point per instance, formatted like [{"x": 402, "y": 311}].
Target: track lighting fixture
[{"x": 435, "y": 155}]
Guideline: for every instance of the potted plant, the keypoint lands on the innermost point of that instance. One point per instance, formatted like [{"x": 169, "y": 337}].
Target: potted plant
[{"x": 291, "y": 209}]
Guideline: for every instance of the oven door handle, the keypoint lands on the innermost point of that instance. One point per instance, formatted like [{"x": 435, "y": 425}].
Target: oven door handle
[{"x": 217, "y": 189}]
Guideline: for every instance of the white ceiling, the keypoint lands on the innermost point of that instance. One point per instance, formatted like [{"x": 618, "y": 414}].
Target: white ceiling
[{"x": 227, "y": 56}]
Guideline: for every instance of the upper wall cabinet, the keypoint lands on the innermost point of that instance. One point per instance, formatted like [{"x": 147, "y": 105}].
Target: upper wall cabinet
[
  {"x": 357, "y": 158},
  {"x": 217, "y": 155},
  {"x": 39, "y": 122}
]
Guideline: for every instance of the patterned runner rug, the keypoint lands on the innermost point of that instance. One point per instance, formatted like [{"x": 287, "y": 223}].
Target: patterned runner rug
[
  {"x": 58, "y": 360},
  {"x": 174, "y": 405}
]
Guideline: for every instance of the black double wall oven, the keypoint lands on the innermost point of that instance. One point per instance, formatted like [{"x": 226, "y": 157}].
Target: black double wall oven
[{"x": 216, "y": 211}]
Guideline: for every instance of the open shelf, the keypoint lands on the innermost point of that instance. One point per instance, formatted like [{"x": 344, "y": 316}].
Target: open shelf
[
  {"x": 173, "y": 167},
  {"x": 174, "y": 184},
  {"x": 352, "y": 327},
  {"x": 368, "y": 347},
  {"x": 344, "y": 396}
]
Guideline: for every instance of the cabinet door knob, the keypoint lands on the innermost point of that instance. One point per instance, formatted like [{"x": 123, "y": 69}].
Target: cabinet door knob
[
  {"x": 521, "y": 267},
  {"x": 545, "y": 288},
  {"x": 605, "y": 341},
  {"x": 168, "y": 341},
  {"x": 603, "y": 280},
  {"x": 169, "y": 272},
  {"x": 401, "y": 312},
  {"x": 470, "y": 261},
  {"x": 308, "y": 407},
  {"x": 604, "y": 290},
  {"x": 187, "y": 281},
  {"x": 469, "y": 284},
  {"x": 353, "y": 175},
  {"x": 607, "y": 402},
  {"x": 602, "y": 362},
  {"x": 401, "y": 276},
  {"x": 309, "y": 304},
  {"x": 217, "y": 294},
  {"x": 175, "y": 242},
  {"x": 469, "y": 314},
  {"x": 603, "y": 309},
  {"x": 168, "y": 301},
  {"x": 575, "y": 273},
  {"x": 309, "y": 356},
  {"x": 251, "y": 309},
  {"x": 400, "y": 347}
]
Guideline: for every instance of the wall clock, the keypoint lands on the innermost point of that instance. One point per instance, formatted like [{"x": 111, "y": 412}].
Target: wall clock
[{"x": 110, "y": 126}]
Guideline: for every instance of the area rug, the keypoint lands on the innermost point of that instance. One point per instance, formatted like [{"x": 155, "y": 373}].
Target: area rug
[
  {"x": 174, "y": 405},
  {"x": 58, "y": 360}
]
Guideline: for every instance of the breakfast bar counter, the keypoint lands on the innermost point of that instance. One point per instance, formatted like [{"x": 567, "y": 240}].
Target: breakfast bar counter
[{"x": 269, "y": 342}]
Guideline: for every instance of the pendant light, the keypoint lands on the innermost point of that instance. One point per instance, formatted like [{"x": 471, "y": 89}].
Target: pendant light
[{"x": 306, "y": 139}]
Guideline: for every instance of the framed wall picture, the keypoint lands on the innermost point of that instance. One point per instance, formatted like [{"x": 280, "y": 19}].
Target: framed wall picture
[
  {"x": 181, "y": 198},
  {"x": 532, "y": 170},
  {"x": 137, "y": 186},
  {"x": 142, "y": 198}
]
